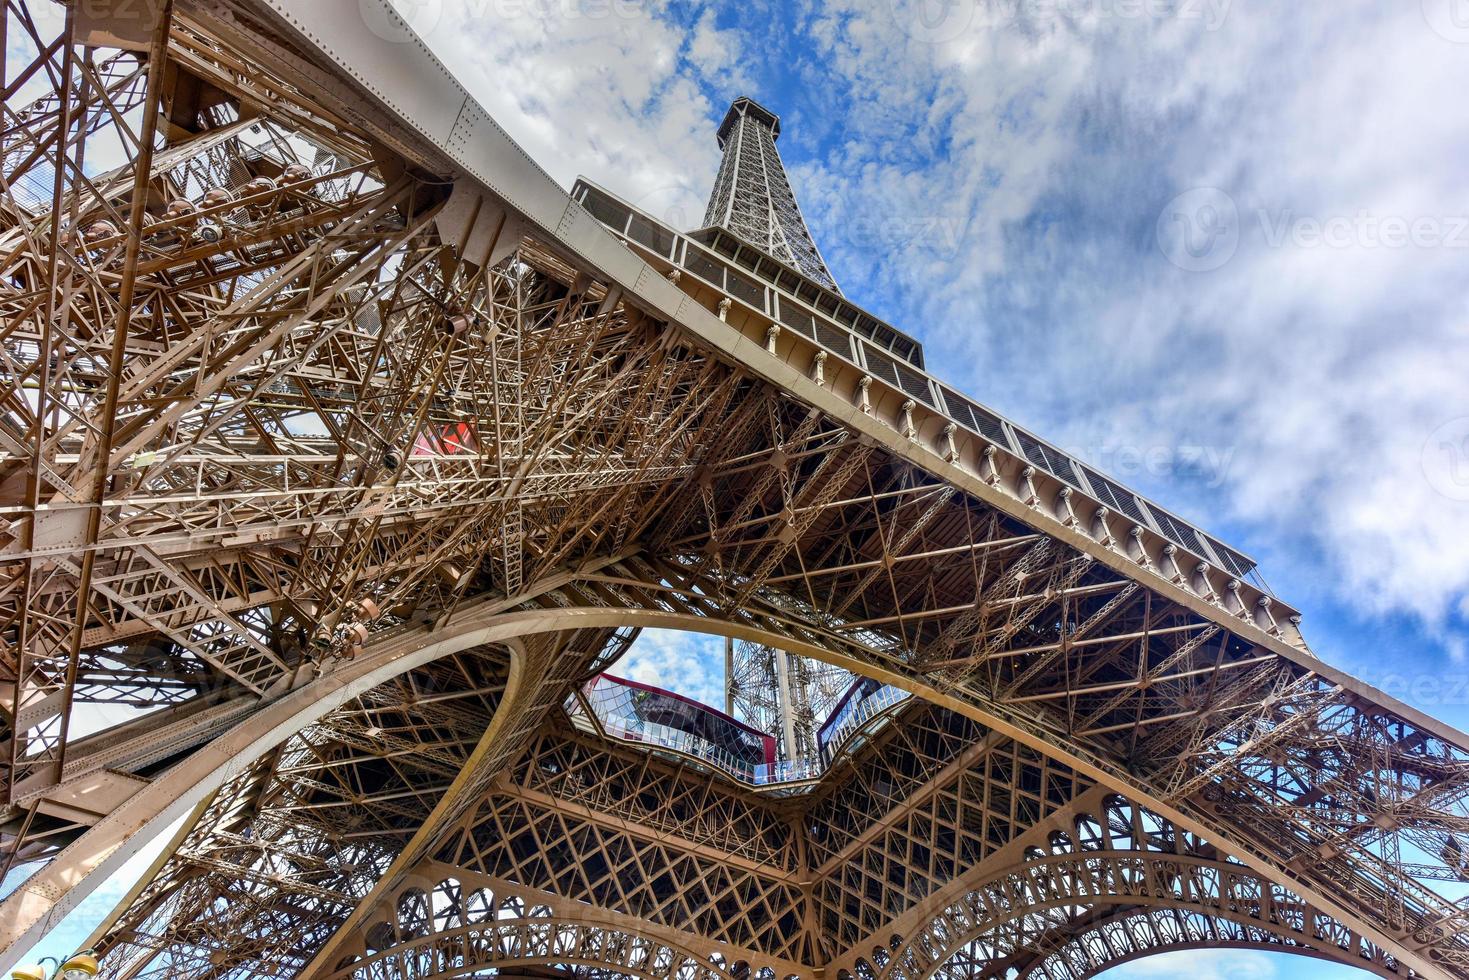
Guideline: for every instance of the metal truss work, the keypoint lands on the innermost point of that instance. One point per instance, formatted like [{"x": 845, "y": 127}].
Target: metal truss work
[
  {"x": 752, "y": 196},
  {"x": 787, "y": 696},
  {"x": 340, "y": 448}
]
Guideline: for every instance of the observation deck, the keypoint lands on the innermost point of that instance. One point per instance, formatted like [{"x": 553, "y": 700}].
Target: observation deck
[{"x": 678, "y": 726}]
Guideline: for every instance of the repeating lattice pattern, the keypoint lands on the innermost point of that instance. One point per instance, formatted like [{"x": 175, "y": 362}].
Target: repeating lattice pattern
[
  {"x": 585, "y": 860},
  {"x": 968, "y": 794},
  {"x": 1078, "y": 885},
  {"x": 752, "y": 196},
  {"x": 620, "y": 783},
  {"x": 458, "y": 931},
  {"x": 270, "y": 421}
]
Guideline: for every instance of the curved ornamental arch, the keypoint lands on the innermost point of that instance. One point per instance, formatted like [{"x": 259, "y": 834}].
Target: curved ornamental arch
[
  {"x": 452, "y": 930},
  {"x": 1136, "y": 935},
  {"x": 343, "y": 385},
  {"x": 564, "y": 622},
  {"x": 1119, "y": 883}
]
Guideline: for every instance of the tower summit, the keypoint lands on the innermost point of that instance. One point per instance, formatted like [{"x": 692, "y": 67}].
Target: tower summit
[{"x": 752, "y": 196}]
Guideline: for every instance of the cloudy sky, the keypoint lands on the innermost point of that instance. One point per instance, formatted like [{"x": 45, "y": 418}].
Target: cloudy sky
[{"x": 1217, "y": 247}]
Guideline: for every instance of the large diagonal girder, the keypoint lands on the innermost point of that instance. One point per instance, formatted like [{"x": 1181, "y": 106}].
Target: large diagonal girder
[{"x": 352, "y": 473}]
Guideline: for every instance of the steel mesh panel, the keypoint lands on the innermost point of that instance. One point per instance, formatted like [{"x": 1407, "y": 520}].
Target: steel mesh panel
[
  {"x": 606, "y": 210},
  {"x": 703, "y": 265},
  {"x": 1050, "y": 459},
  {"x": 975, "y": 418},
  {"x": 833, "y": 339},
  {"x": 1178, "y": 531},
  {"x": 1115, "y": 496},
  {"x": 1231, "y": 560}
]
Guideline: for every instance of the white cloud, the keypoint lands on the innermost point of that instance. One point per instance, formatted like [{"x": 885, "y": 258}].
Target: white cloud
[
  {"x": 1230, "y": 964},
  {"x": 605, "y": 88},
  {"x": 997, "y": 192},
  {"x": 1197, "y": 964},
  {"x": 1321, "y": 370},
  {"x": 718, "y": 54},
  {"x": 691, "y": 664}
]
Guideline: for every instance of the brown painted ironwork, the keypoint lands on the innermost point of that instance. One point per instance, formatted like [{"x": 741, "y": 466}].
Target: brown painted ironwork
[{"x": 329, "y": 477}]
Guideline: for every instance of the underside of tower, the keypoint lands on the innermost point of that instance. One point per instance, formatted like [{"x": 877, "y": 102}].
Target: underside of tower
[{"x": 345, "y": 455}]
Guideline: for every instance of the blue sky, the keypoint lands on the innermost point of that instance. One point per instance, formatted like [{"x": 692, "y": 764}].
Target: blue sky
[
  {"x": 1219, "y": 248},
  {"x": 1216, "y": 247}
]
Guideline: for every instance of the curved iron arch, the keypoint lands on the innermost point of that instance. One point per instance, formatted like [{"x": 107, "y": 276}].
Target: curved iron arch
[
  {"x": 115, "y": 838},
  {"x": 1026, "y": 898},
  {"x": 526, "y": 942},
  {"x": 452, "y": 930},
  {"x": 1117, "y": 939}
]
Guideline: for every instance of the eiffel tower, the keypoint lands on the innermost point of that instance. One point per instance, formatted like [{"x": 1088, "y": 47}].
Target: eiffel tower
[{"x": 344, "y": 454}]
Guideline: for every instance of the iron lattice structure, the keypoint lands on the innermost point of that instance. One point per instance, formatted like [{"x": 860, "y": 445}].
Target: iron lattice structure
[
  {"x": 752, "y": 196},
  {"x": 340, "y": 447},
  {"x": 787, "y": 696}
]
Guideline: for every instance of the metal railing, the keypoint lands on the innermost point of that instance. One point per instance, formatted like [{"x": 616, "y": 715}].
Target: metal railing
[{"x": 615, "y": 716}]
